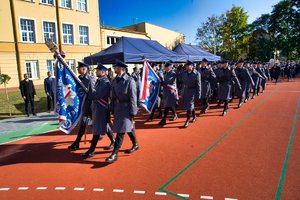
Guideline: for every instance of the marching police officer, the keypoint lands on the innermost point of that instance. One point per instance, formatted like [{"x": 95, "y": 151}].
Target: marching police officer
[
  {"x": 100, "y": 110},
  {"x": 256, "y": 78},
  {"x": 262, "y": 80},
  {"x": 124, "y": 108},
  {"x": 207, "y": 75},
  {"x": 225, "y": 77},
  {"x": 245, "y": 79},
  {"x": 89, "y": 82},
  {"x": 137, "y": 78},
  {"x": 191, "y": 81}
]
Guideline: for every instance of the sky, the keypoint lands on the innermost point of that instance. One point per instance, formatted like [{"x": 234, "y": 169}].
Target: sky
[{"x": 183, "y": 16}]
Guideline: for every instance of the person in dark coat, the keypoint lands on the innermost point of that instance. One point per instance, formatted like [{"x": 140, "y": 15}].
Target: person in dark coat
[
  {"x": 157, "y": 105},
  {"x": 263, "y": 78},
  {"x": 48, "y": 87},
  {"x": 100, "y": 111},
  {"x": 256, "y": 78},
  {"x": 137, "y": 78},
  {"x": 89, "y": 82},
  {"x": 245, "y": 79},
  {"x": 287, "y": 71},
  {"x": 191, "y": 82},
  {"x": 124, "y": 108},
  {"x": 28, "y": 93},
  {"x": 207, "y": 74},
  {"x": 170, "y": 93},
  {"x": 276, "y": 72},
  {"x": 225, "y": 76}
]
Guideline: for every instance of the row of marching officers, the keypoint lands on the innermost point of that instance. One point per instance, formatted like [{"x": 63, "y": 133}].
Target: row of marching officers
[{"x": 196, "y": 83}]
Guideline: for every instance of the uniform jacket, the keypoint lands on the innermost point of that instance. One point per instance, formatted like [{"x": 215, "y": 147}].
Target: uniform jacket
[
  {"x": 245, "y": 79},
  {"x": 100, "y": 106},
  {"x": 48, "y": 85},
  {"x": 207, "y": 75},
  {"x": 124, "y": 103},
  {"x": 169, "y": 96},
  {"x": 191, "y": 83},
  {"x": 226, "y": 77}
]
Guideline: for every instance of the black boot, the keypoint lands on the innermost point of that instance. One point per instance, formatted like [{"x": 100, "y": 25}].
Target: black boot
[
  {"x": 174, "y": 114},
  {"x": 240, "y": 102},
  {"x": 91, "y": 152},
  {"x": 112, "y": 141},
  {"x": 75, "y": 145},
  {"x": 113, "y": 157},
  {"x": 175, "y": 117},
  {"x": 226, "y": 106},
  {"x": 135, "y": 145},
  {"x": 159, "y": 112},
  {"x": 163, "y": 122},
  {"x": 188, "y": 117},
  {"x": 194, "y": 116}
]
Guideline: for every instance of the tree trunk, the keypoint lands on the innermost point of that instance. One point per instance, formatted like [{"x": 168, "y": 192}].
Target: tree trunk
[{"x": 7, "y": 98}]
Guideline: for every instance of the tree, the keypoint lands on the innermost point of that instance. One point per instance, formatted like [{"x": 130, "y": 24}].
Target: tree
[
  {"x": 208, "y": 33},
  {"x": 4, "y": 79},
  {"x": 234, "y": 32},
  {"x": 285, "y": 25}
]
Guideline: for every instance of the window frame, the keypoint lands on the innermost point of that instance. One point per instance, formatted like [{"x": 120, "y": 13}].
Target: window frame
[
  {"x": 66, "y": 6},
  {"x": 55, "y": 29},
  {"x": 86, "y": 6},
  {"x": 49, "y": 4},
  {"x": 88, "y": 34},
  {"x": 37, "y": 70},
  {"x": 34, "y": 30},
  {"x": 67, "y": 23}
]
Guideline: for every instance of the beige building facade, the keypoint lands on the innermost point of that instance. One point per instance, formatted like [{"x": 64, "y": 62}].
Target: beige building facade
[
  {"x": 166, "y": 37},
  {"x": 36, "y": 21}
]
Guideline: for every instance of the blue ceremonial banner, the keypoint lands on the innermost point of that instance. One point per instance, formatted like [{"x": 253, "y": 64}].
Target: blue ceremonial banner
[
  {"x": 149, "y": 88},
  {"x": 70, "y": 96}
]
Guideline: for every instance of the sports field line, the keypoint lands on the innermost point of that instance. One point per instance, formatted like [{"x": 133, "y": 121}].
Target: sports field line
[
  {"x": 212, "y": 146},
  {"x": 287, "y": 155},
  {"x": 22, "y": 134}
]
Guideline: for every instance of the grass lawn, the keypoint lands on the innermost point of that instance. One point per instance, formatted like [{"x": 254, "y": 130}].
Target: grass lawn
[{"x": 16, "y": 103}]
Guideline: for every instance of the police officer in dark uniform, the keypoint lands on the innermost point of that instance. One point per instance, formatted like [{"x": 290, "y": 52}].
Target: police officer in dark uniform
[
  {"x": 263, "y": 78},
  {"x": 100, "y": 110},
  {"x": 124, "y": 108},
  {"x": 89, "y": 82},
  {"x": 256, "y": 78},
  {"x": 137, "y": 78},
  {"x": 170, "y": 93},
  {"x": 207, "y": 75},
  {"x": 245, "y": 78},
  {"x": 191, "y": 82},
  {"x": 48, "y": 87},
  {"x": 28, "y": 93},
  {"x": 225, "y": 76}
]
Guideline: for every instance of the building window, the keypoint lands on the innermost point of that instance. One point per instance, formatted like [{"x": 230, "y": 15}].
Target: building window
[
  {"x": 51, "y": 66},
  {"x": 67, "y": 33},
  {"x": 82, "y": 5},
  {"x": 32, "y": 69},
  {"x": 112, "y": 40},
  {"x": 48, "y": 2},
  {"x": 27, "y": 30},
  {"x": 49, "y": 31},
  {"x": 83, "y": 35},
  {"x": 71, "y": 64},
  {"x": 66, "y": 3}
]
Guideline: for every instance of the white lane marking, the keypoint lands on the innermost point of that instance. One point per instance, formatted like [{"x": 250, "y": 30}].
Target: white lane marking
[
  {"x": 161, "y": 193},
  {"x": 206, "y": 197},
  {"x": 41, "y": 188},
  {"x": 184, "y": 195},
  {"x": 118, "y": 190},
  {"x": 98, "y": 189},
  {"x": 79, "y": 189},
  {"x": 60, "y": 188},
  {"x": 139, "y": 192},
  {"x": 23, "y": 188},
  {"x": 230, "y": 199},
  {"x": 4, "y": 189}
]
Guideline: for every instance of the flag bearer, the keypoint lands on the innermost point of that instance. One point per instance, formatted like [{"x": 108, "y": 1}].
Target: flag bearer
[
  {"x": 170, "y": 93},
  {"x": 88, "y": 81},
  {"x": 124, "y": 108}
]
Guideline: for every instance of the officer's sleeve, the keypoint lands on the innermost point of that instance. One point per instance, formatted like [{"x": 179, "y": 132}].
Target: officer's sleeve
[
  {"x": 21, "y": 89},
  {"x": 101, "y": 92},
  {"x": 198, "y": 86},
  {"x": 34, "y": 93},
  {"x": 250, "y": 78},
  {"x": 212, "y": 73},
  {"x": 132, "y": 97},
  {"x": 235, "y": 79}
]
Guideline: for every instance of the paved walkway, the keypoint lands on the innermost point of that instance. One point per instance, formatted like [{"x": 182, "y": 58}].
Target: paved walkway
[{"x": 17, "y": 128}]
